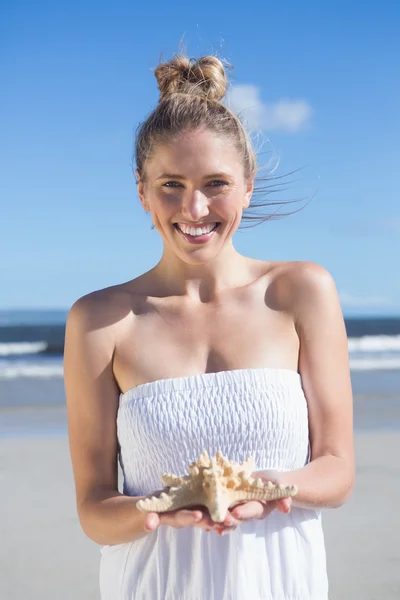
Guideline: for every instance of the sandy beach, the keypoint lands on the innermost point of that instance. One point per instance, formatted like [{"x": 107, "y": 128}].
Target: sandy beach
[{"x": 45, "y": 556}]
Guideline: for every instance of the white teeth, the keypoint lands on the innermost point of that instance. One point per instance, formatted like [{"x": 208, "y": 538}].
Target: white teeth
[{"x": 195, "y": 231}]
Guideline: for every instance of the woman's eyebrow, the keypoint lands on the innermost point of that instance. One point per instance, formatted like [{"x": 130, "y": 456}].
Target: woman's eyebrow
[
  {"x": 217, "y": 175},
  {"x": 175, "y": 176},
  {"x": 170, "y": 176}
]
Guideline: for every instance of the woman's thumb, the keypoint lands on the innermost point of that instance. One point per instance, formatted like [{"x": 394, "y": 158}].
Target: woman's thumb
[{"x": 151, "y": 521}]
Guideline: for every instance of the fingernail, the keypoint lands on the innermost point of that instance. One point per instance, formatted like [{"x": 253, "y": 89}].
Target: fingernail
[{"x": 197, "y": 518}]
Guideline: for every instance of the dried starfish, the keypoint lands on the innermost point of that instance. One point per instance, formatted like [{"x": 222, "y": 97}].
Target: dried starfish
[{"x": 217, "y": 483}]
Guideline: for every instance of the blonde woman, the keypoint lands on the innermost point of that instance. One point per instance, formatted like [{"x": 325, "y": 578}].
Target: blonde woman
[{"x": 208, "y": 350}]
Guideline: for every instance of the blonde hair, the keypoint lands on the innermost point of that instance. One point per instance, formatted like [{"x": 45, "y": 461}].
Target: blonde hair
[
  {"x": 191, "y": 91},
  {"x": 190, "y": 98}
]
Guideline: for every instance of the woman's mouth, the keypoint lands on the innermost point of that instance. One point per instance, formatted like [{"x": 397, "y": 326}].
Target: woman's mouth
[{"x": 198, "y": 234}]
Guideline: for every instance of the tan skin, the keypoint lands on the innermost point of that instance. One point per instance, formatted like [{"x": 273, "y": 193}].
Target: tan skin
[{"x": 187, "y": 309}]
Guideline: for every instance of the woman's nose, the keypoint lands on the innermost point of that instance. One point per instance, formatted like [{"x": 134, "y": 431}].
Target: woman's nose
[{"x": 194, "y": 206}]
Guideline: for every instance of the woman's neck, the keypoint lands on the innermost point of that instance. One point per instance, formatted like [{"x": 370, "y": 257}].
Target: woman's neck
[{"x": 205, "y": 281}]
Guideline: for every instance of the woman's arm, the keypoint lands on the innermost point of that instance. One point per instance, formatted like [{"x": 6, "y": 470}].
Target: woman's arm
[
  {"x": 328, "y": 479},
  {"x": 106, "y": 516}
]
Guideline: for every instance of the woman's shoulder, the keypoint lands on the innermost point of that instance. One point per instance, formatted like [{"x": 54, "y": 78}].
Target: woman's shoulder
[
  {"x": 299, "y": 285},
  {"x": 296, "y": 269},
  {"x": 98, "y": 300},
  {"x": 297, "y": 273},
  {"x": 308, "y": 277},
  {"x": 107, "y": 306},
  {"x": 114, "y": 297}
]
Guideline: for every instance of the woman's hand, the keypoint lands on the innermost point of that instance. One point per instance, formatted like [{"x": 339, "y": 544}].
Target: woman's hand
[
  {"x": 255, "y": 509},
  {"x": 189, "y": 518},
  {"x": 179, "y": 518},
  {"x": 242, "y": 512}
]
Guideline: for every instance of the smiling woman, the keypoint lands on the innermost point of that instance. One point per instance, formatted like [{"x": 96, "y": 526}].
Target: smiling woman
[
  {"x": 190, "y": 115},
  {"x": 196, "y": 205},
  {"x": 209, "y": 350}
]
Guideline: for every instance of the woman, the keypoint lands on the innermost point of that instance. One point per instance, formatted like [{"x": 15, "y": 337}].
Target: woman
[{"x": 208, "y": 350}]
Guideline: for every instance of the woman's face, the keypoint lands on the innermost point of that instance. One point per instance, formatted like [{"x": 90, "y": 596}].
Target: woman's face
[{"x": 196, "y": 191}]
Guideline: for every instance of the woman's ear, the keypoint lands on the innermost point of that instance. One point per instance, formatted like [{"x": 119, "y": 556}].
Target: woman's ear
[
  {"x": 248, "y": 193},
  {"x": 141, "y": 194}
]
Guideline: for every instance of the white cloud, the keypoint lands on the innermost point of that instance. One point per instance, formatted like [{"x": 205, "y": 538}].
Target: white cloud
[
  {"x": 284, "y": 115},
  {"x": 350, "y": 301}
]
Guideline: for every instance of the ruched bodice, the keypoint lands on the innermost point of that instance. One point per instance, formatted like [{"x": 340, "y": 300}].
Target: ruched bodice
[{"x": 163, "y": 426}]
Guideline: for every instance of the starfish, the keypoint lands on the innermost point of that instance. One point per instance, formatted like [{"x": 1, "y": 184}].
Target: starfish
[{"x": 216, "y": 483}]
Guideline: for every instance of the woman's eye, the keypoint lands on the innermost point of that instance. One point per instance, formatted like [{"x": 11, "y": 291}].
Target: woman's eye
[
  {"x": 172, "y": 184},
  {"x": 215, "y": 183},
  {"x": 218, "y": 183}
]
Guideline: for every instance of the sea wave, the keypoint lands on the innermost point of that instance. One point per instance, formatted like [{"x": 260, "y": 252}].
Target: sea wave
[
  {"x": 365, "y": 344},
  {"x": 374, "y": 343},
  {"x": 34, "y": 370},
  {"x": 15, "y": 348},
  {"x": 376, "y": 363},
  {"x": 45, "y": 370}
]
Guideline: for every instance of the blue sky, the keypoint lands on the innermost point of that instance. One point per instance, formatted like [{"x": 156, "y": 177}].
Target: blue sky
[{"x": 321, "y": 85}]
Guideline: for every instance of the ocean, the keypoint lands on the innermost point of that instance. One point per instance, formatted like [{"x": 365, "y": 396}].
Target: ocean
[{"x": 32, "y": 396}]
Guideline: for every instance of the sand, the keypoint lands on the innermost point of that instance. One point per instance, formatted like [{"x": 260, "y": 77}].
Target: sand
[
  {"x": 45, "y": 556},
  {"x": 362, "y": 537}
]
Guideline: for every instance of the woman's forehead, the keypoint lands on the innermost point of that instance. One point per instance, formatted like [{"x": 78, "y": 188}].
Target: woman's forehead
[{"x": 201, "y": 152}]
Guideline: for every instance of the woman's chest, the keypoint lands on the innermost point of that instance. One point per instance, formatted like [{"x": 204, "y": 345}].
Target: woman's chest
[{"x": 171, "y": 340}]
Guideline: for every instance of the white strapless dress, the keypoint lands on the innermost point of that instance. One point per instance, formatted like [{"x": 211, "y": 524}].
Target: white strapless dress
[{"x": 165, "y": 425}]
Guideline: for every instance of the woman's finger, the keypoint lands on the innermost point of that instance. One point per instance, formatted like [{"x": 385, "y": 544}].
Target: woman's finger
[
  {"x": 252, "y": 510},
  {"x": 152, "y": 521},
  {"x": 181, "y": 518},
  {"x": 284, "y": 505},
  {"x": 206, "y": 523},
  {"x": 222, "y": 530},
  {"x": 178, "y": 519}
]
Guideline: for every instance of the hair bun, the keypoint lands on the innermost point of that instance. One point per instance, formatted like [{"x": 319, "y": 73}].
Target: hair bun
[{"x": 204, "y": 77}]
